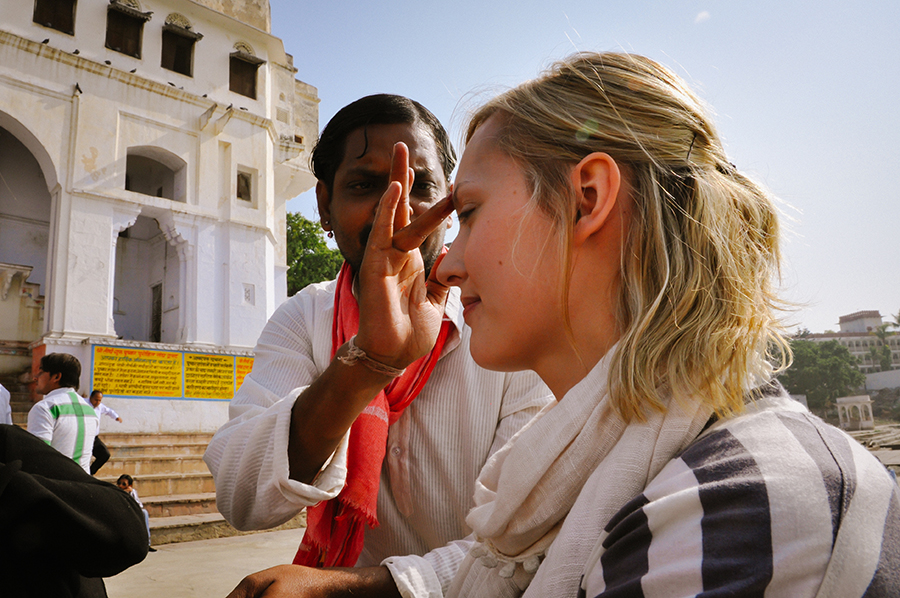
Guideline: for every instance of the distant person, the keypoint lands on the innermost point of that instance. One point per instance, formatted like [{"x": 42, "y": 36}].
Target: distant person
[
  {"x": 126, "y": 483},
  {"x": 100, "y": 452},
  {"x": 63, "y": 419},
  {"x": 5, "y": 410},
  {"x": 61, "y": 530}
]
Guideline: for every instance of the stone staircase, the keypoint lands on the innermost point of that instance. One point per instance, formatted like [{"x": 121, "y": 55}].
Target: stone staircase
[
  {"x": 169, "y": 475},
  {"x": 174, "y": 484}
]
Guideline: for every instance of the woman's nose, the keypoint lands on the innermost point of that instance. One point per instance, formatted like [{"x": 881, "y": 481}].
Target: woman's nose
[{"x": 451, "y": 270}]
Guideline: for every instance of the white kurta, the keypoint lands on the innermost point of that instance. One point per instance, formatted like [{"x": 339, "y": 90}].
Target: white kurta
[{"x": 435, "y": 451}]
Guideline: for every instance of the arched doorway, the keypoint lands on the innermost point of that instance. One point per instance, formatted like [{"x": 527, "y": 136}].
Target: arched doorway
[
  {"x": 26, "y": 208},
  {"x": 147, "y": 288}
]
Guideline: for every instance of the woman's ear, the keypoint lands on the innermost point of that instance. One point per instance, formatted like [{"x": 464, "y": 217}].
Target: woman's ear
[{"x": 596, "y": 180}]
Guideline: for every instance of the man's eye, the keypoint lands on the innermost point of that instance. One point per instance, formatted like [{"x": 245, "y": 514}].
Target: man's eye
[
  {"x": 424, "y": 186},
  {"x": 360, "y": 185}
]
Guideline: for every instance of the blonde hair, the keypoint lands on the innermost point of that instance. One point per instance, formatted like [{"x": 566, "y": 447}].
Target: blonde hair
[{"x": 696, "y": 311}]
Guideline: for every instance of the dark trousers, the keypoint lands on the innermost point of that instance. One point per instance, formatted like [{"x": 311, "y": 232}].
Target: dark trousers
[{"x": 101, "y": 455}]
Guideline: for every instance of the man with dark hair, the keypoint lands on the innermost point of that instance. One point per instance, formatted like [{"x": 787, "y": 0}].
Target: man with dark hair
[
  {"x": 63, "y": 419},
  {"x": 386, "y": 463}
]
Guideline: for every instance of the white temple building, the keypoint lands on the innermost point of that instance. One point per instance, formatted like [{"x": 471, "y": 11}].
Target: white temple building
[{"x": 147, "y": 149}]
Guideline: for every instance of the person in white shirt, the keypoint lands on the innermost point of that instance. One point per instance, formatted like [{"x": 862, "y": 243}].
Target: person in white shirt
[
  {"x": 100, "y": 452},
  {"x": 5, "y": 410},
  {"x": 63, "y": 419},
  {"x": 287, "y": 445}
]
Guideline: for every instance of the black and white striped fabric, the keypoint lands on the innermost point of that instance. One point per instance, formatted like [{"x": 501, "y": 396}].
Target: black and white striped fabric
[{"x": 773, "y": 503}]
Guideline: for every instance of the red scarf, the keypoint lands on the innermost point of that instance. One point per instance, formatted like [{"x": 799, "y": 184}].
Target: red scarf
[{"x": 335, "y": 529}]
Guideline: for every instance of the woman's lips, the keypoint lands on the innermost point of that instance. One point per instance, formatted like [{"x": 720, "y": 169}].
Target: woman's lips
[{"x": 469, "y": 304}]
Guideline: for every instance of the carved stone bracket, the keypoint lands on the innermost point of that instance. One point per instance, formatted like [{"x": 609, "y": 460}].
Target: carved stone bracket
[
  {"x": 7, "y": 272},
  {"x": 179, "y": 230},
  {"x": 124, "y": 218}
]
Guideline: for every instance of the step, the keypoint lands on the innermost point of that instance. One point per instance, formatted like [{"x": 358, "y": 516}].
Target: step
[
  {"x": 187, "y": 528},
  {"x": 119, "y": 450},
  {"x": 176, "y": 505},
  {"x": 144, "y": 465},
  {"x": 163, "y": 484},
  {"x": 155, "y": 439}
]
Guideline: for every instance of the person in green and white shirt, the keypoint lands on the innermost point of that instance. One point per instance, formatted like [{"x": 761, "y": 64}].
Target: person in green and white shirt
[{"x": 63, "y": 419}]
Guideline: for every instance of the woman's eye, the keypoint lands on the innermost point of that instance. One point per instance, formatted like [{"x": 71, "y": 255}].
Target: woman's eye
[{"x": 464, "y": 214}]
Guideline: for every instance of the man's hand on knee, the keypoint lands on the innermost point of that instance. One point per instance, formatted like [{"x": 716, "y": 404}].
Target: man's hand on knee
[{"x": 295, "y": 581}]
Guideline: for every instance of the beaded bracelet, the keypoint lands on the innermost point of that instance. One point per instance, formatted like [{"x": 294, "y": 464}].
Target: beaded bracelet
[{"x": 355, "y": 354}]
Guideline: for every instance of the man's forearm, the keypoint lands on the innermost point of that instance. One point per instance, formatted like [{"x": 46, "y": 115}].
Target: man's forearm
[{"x": 324, "y": 412}]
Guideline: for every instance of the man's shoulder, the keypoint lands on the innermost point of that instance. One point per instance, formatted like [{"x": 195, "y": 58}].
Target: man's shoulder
[{"x": 310, "y": 299}]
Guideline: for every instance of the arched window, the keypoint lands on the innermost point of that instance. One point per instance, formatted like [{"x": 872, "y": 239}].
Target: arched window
[
  {"x": 156, "y": 172},
  {"x": 178, "y": 41},
  {"x": 243, "y": 66}
]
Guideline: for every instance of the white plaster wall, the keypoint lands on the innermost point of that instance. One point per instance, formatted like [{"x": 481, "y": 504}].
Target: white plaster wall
[
  {"x": 171, "y": 296},
  {"x": 879, "y": 380},
  {"x": 25, "y": 242},
  {"x": 132, "y": 292},
  {"x": 87, "y": 260},
  {"x": 161, "y": 415},
  {"x": 247, "y": 316}
]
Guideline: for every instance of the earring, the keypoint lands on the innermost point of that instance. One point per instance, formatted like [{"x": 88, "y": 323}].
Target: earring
[{"x": 329, "y": 234}]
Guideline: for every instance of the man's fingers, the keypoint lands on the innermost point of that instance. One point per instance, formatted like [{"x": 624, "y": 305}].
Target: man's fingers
[
  {"x": 412, "y": 235},
  {"x": 434, "y": 288},
  {"x": 383, "y": 224}
]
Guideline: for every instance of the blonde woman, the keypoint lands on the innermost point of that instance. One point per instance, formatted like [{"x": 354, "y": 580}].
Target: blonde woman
[{"x": 607, "y": 243}]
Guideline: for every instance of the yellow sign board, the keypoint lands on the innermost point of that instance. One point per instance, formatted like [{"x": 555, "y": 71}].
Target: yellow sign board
[
  {"x": 138, "y": 372},
  {"x": 244, "y": 365},
  {"x": 208, "y": 376},
  {"x": 127, "y": 372}
]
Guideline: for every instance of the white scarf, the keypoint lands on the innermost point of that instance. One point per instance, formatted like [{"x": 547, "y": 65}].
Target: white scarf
[{"x": 527, "y": 488}]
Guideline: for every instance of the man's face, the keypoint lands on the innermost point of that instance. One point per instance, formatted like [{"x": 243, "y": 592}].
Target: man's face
[
  {"x": 123, "y": 485},
  {"x": 363, "y": 177},
  {"x": 45, "y": 382},
  {"x": 96, "y": 398}
]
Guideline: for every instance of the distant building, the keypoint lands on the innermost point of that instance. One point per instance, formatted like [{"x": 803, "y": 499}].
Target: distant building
[
  {"x": 857, "y": 334},
  {"x": 147, "y": 149}
]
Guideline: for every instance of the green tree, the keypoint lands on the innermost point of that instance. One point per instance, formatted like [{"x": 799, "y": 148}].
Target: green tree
[
  {"x": 882, "y": 353},
  {"x": 823, "y": 372},
  {"x": 309, "y": 258}
]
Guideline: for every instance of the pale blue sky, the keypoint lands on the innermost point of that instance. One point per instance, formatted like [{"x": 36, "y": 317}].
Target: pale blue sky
[{"x": 805, "y": 94}]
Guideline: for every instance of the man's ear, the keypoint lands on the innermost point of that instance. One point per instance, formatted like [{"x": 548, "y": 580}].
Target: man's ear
[
  {"x": 323, "y": 199},
  {"x": 596, "y": 180}
]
